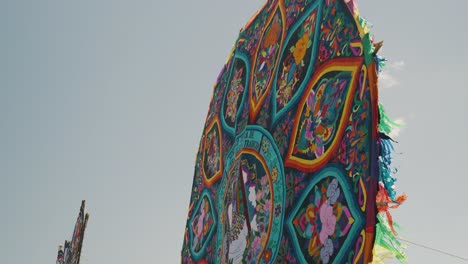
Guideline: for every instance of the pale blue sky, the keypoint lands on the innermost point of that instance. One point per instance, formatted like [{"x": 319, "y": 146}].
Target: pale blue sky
[{"x": 105, "y": 100}]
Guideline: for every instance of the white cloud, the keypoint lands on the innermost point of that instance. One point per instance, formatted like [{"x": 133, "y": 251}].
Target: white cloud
[
  {"x": 396, "y": 65},
  {"x": 387, "y": 77},
  {"x": 397, "y": 130},
  {"x": 387, "y": 80}
]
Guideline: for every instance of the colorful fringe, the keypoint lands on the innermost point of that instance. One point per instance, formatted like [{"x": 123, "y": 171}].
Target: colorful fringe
[
  {"x": 386, "y": 246},
  {"x": 386, "y": 124}
]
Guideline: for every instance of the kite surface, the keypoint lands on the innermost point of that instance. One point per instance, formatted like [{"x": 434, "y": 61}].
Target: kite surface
[
  {"x": 289, "y": 163},
  {"x": 70, "y": 252}
]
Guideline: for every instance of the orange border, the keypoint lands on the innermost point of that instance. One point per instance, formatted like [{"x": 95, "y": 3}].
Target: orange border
[
  {"x": 374, "y": 92},
  {"x": 209, "y": 182},
  {"x": 255, "y": 15},
  {"x": 255, "y": 106},
  {"x": 344, "y": 64}
]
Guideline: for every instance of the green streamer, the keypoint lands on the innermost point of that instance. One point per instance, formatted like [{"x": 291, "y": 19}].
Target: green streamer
[
  {"x": 386, "y": 124},
  {"x": 385, "y": 238}
]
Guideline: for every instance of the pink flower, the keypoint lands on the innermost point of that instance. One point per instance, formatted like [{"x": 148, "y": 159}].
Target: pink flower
[
  {"x": 259, "y": 195},
  {"x": 267, "y": 205},
  {"x": 264, "y": 180},
  {"x": 256, "y": 242},
  {"x": 309, "y": 133},
  {"x": 328, "y": 222}
]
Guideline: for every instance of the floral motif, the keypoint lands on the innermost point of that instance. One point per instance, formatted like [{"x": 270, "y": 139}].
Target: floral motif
[
  {"x": 333, "y": 192},
  {"x": 327, "y": 251},
  {"x": 337, "y": 32},
  {"x": 355, "y": 156},
  {"x": 201, "y": 225},
  {"x": 295, "y": 62},
  {"x": 320, "y": 116},
  {"x": 250, "y": 210},
  {"x": 322, "y": 220},
  {"x": 267, "y": 255},
  {"x": 278, "y": 210},
  {"x": 265, "y": 145},
  {"x": 264, "y": 116},
  {"x": 236, "y": 89},
  {"x": 260, "y": 117},
  {"x": 300, "y": 48},
  {"x": 328, "y": 222},
  {"x": 212, "y": 152},
  {"x": 274, "y": 174},
  {"x": 282, "y": 131}
]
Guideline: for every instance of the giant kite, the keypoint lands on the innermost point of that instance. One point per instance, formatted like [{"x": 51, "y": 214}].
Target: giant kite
[{"x": 294, "y": 161}]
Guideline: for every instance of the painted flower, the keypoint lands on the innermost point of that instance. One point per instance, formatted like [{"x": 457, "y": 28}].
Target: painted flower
[
  {"x": 284, "y": 93},
  {"x": 264, "y": 180},
  {"x": 274, "y": 174},
  {"x": 324, "y": 53},
  {"x": 235, "y": 89},
  {"x": 313, "y": 135},
  {"x": 333, "y": 192},
  {"x": 327, "y": 251},
  {"x": 267, "y": 205},
  {"x": 278, "y": 210},
  {"x": 265, "y": 145},
  {"x": 259, "y": 195},
  {"x": 300, "y": 48},
  {"x": 273, "y": 34},
  {"x": 328, "y": 222},
  {"x": 259, "y": 207},
  {"x": 267, "y": 255},
  {"x": 310, "y": 213},
  {"x": 261, "y": 227}
]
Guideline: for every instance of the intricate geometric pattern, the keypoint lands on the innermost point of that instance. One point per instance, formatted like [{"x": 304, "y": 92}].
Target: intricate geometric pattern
[
  {"x": 296, "y": 62},
  {"x": 322, "y": 110},
  {"x": 266, "y": 60},
  {"x": 326, "y": 218},
  {"x": 288, "y": 161},
  {"x": 212, "y": 153},
  {"x": 201, "y": 225},
  {"x": 235, "y": 91}
]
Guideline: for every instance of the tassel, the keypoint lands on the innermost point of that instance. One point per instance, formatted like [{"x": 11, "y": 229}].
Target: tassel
[
  {"x": 384, "y": 203},
  {"x": 387, "y": 244},
  {"x": 380, "y": 62},
  {"x": 385, "y": 161},
  {"x": 386, "y": 124}
]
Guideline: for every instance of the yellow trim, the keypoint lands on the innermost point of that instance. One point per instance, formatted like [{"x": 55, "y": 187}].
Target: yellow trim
[
  {"x": 255, "y": 106},
  {"x": 358, "y": 44},
  {"x": 337, "y": 65},
  {"x": 364, "y": 193},
  {"x": 219, "y": 173},
  {"x": 358, "y": 256}
]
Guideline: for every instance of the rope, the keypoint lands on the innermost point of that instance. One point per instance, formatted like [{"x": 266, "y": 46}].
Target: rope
[{"x": 433, "y": 249}]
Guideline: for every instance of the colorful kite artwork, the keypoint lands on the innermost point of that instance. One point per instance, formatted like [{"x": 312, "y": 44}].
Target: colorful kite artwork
[
  {"x": 294, "y": 161},
  {"x": 70, "y": 253}
]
